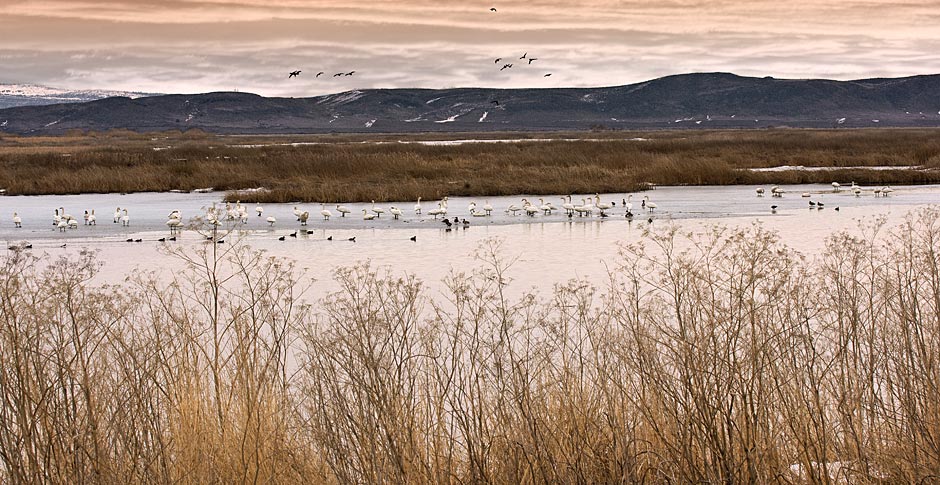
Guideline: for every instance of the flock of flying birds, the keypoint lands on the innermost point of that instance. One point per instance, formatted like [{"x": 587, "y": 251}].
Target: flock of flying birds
[{"x": 506, "y": 65}]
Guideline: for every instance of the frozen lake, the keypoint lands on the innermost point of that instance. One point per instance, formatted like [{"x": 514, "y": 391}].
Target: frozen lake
[{"x": 549, "y": 249}]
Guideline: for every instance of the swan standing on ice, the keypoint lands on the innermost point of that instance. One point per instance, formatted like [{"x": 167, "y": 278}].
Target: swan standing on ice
[
  {"x": 567, "y": 205},
  {"x": 378, "y": 210},
  {"x": 629, "y": 203},
  {"x": 418, "y": 206},
  {"x": 125, "y": 219},
  {"x": 440, "y": 210},
  {"x": 117, "y": 215},
  {"x": 488, "y": 208},
  {"x": 303, "y": 218},
  {"x": 297, "y": 212},
  {"x": 92, "y": 218},
  {"x": 366, "y": 216},
  {"x": 760, "y": 191},
  {"x": 836, "y": 187},
  {"x": 271, "y": 220},
  {"x": 343, "y": 210},
  {"x": 325, "y": 213},
  {"x": 17, "y": 220},
  {"x": 650, "y": 206},
  {"x": 259, "y": 210},
  {"x": 602, "y": 206},
  {"x": 395, "y": 211}
]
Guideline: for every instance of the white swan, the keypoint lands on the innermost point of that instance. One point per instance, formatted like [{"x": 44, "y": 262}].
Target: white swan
[
  {"x": 418, "y": 206},
  {"x": 325, "y": 213},
  {"x": 487, "y": 208},
  {"x": 513, "y": 208},
  {"x": 73, "y": 223},
  {"x": 887, "y": 190},
  {"x": 760, "y": 191},
  {"x": 343, "y": 210},
  {"x": 259, "y": 210},
  {"x": 836, "y": 187},
  {"x": 378, "y": 210},
  {"x": 650, "y": 206},
  {"x": 629, "y": 203},
  {"x": 395, "y": 211},
  {"x": 92, "y": 218},
  {"x": 62, "y": 225},
  {"x": 366, "y": 216},
  {"x": 303, "y": 218},
  {"x": 545, "y": 208},
  {"x": 440, "y": 210},
  {"x": 17, "y": 220},
  {"x": 602, "y": 206},
  {"x": 271, "y": 220},
  {"x": 125, "y": 219},
  {"x": 567, "y": 205},
  {"x": 117, "y": 215},
  {"x": 297, "y": 212}
]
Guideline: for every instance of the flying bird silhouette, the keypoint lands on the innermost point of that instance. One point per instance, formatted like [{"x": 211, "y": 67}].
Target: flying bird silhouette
[
  {"x": 350, "y": 73},
  {"x": 338, "y": 74},
  {"x": 547, "y": 75},
  {"x": 492, "y": 9},
  {"x": 532, "y": 59},
  {"x": 497, "y": 60},
  {"x": 506, "y": 66},
  {"x": 319, "y": 74},
  {"x": 523, "y": 55},
  {"x": 293, "y": 74}
]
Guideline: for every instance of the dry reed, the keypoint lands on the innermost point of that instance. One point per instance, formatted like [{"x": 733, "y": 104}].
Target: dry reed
[{"x": 718, "y": 357}]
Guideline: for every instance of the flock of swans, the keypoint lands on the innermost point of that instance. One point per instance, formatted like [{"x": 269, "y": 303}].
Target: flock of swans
[{"x": 238, "y": 213}]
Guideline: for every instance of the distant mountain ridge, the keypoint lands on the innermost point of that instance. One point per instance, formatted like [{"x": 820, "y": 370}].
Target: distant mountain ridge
[
  {"x": 13, "y": 95},
  {"x": 706, "y": 100}
]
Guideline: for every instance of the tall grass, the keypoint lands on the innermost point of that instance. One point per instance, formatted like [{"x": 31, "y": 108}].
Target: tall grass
[
  {"x": 718, "y": 357},
  {"x": 342, "y": 169}
]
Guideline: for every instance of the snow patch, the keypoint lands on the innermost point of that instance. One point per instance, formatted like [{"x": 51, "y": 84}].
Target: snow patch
[
  {"x": 341, "y": 98},
  {"x": 432, "y": 100},
  {"x": 485, "y": 113},
  {"x": 370, "y": 123},
  {"x": 5, "y": 122},
  {"x": 190, "y": 117},
  {"x": 53, "y": 123}
]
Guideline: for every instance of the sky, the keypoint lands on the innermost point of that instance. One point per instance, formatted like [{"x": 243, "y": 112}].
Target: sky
[{"x": 194, "y": 46}]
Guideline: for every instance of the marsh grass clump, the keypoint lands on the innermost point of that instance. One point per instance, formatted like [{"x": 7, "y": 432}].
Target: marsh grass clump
[{"x": 722, "y": 356}]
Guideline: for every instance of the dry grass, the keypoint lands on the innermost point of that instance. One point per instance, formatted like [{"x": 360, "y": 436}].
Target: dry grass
[
  {"x": 719, "y": 358},
  {"x": 342, "y": 169}
]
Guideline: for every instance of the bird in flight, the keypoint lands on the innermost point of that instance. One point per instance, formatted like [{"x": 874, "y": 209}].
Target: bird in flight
[
  {"x": 523, "y": 55},
  {"x": 506, "y": 66},
  {"x": 497, "y": 60},
  {"x": 492, "y": 9},
  {"x": 293, "y": 74},
  {"x": 338, "y": 74},
  {"x": 532, "y": 59},
  {"x": 350, "y": 73},
  {"x": 319, "y": 74},
  {"x": 547, "y": 75}
]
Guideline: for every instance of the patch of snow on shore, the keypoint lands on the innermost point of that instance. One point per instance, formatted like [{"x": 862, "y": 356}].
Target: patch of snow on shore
[
  {"x": 370, "y": 123},
  {"x": 485, "y": 113},
  {"x": 801, "y": 168}
]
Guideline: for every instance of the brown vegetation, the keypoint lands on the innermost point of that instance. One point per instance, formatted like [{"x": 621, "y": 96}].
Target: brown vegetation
[
  {"x": 343, "y": 168},
  {"x": 720, "y": 358}
]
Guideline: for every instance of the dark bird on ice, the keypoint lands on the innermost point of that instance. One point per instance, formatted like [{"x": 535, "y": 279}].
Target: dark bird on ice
[{"x": 293, "y": 74}]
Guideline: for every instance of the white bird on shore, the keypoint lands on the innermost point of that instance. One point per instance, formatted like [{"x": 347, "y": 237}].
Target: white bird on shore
[
  {"x": 117, "y": 215},
  {"x": 488, "y": 208},
  {"x": 472, "y": 207},
  {"x": 418, "y": 206},
  {"x": 836, "y": 187},
  {"x": 602, "y": 206},
  {"x": 395, "y": 211},
  {"x": 650, "y": 206},
  {"x": 92, "y": 218},
  {"x": 56, "y": 218},
  {"x": 325, "y": 213},
  {"x": 567, "y": 205},
  {"x": 73, "y": 223},
  {"x": 885, "y": 191},
  {"x": 174, "y": 224},
  {"x": 271, "y": 220},
  {"x": 760, "y": 191},
  {"x": 62, "y": 225},
  {"x": 545, "y": 208},
  {"x": 513, "y": 208},
  {"x": 629, "y": 203},
  {"x": 366, "y": 216},
  {"x": 17, "y": 220},
  {"x": 259, "y": 210},
  {"x": 343, "y": 210},
  {"x": 378, "y": 210},
  {"x": 303, "y": 218},
  {"x": 125, "y": 219},
  {"x": 440, "y": 210}
]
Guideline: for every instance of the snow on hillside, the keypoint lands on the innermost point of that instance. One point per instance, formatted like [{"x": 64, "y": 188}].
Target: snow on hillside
[{"x": 12, "y": 95}]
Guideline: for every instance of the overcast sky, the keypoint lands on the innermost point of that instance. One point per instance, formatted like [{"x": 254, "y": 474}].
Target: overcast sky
[{"x": 189, "y": 46}]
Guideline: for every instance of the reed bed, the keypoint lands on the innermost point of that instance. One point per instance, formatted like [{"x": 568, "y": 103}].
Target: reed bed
[
  {"x": 355, "y": 169},
  {"x": 723, "y": 357}
]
